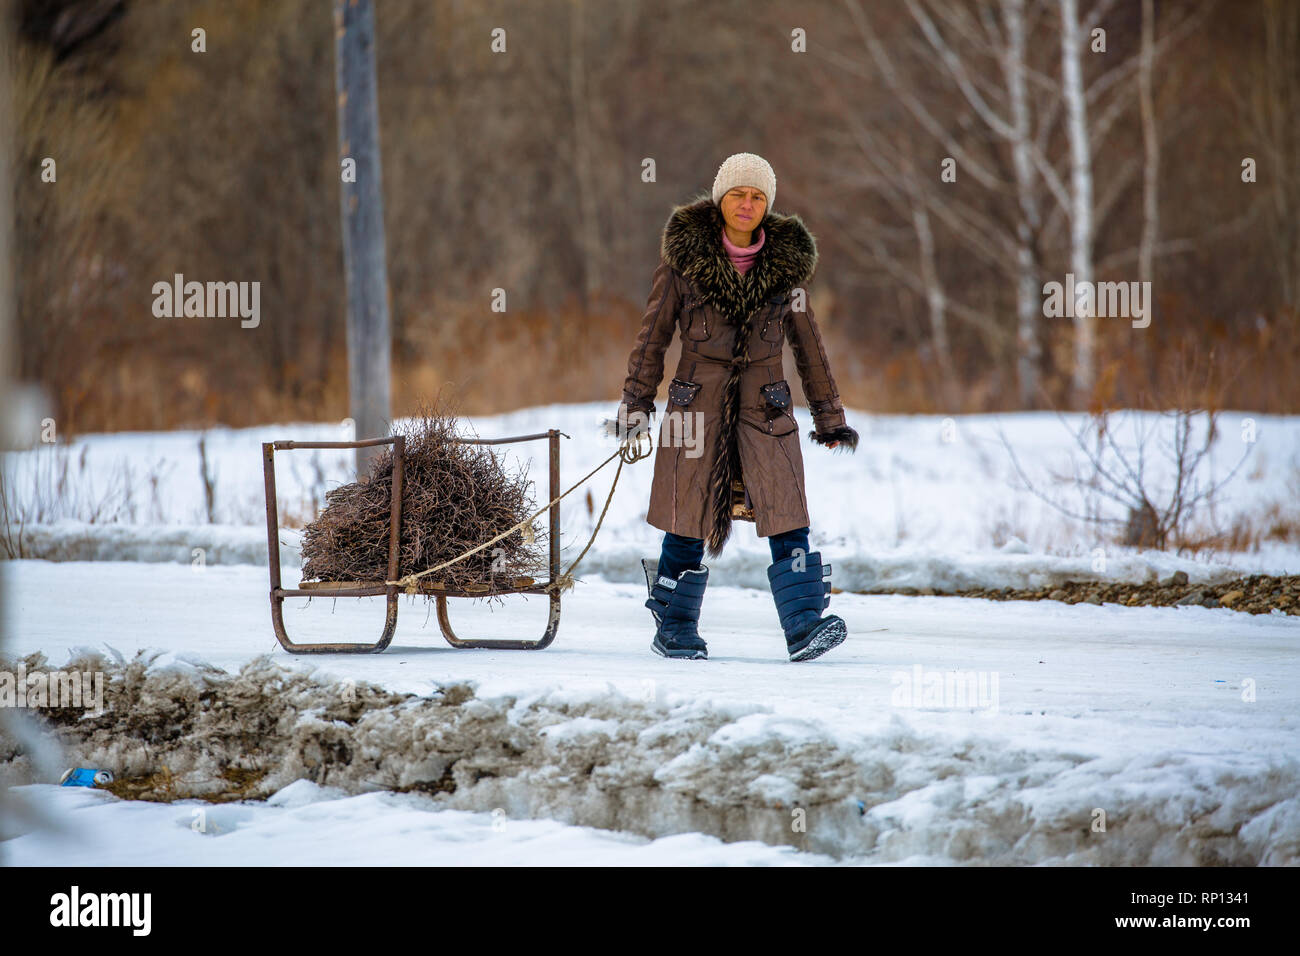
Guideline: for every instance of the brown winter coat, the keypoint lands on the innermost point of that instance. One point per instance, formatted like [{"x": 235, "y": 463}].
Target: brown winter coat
[{"x": 730, "y": 372}]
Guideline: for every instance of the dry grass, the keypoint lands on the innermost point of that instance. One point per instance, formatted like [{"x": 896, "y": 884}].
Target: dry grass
[{"x": 498, "y": 363}]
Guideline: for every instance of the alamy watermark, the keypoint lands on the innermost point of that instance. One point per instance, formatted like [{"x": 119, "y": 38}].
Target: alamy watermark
[
  {"x": 211, "y": 300},
  {"x": 130, "y": 910},
  {"x": 679, "y": 428},
  {"x": 1107, "y": 300},
  {"x": 962, "y": 690}
]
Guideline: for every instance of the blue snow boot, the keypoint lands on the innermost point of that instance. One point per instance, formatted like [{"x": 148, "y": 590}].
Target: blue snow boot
[
  {"x": 801, "y": 596},
  {"x": 675, "y": 605}
]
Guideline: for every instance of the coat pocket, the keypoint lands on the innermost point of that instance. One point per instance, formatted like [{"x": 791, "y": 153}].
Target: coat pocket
[
  {"x": 777, "y": 395},
  {"x": 773, "y": 328},
  {"x": 682, "y": 393},
  {"x": 775, "y": 416},
  {"x": 695, "y": 317}
]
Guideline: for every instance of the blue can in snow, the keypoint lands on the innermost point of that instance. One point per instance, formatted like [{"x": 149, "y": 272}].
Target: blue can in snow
[{"x": 85, "y": 777}]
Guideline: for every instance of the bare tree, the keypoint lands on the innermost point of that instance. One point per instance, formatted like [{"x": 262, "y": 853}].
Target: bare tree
[
  {"x": 1150, "y": 146},
  {"x": 1155, "y": 512},
  {"x": 1081, "y": 211},
  {"x": 1158, "y": 476},
  {"x": 1045, "y": 120},
  {"x": 1028, "y": 308},
  {"x": 920, "y": 199},
  {"x": 984, "y": 54}
]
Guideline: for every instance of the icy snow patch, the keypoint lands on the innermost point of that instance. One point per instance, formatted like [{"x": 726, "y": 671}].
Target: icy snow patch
[{"x": 885, "y": 793}]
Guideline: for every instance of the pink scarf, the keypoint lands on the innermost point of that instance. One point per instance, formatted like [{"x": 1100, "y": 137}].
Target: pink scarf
[{"x": 742, "y": 257}]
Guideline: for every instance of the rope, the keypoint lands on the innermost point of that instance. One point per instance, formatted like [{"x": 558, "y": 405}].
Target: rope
[{"x": 629, "y": 451}]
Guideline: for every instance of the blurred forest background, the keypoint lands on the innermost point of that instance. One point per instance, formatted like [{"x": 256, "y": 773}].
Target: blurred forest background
[{"x": 523, "y": 170}]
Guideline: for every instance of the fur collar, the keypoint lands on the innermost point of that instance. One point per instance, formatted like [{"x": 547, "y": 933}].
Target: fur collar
[{"x": 692, "y": 244}]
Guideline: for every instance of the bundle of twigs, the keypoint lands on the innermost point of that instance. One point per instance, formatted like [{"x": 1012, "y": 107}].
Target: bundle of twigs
[{"x": 455, "y": 496}]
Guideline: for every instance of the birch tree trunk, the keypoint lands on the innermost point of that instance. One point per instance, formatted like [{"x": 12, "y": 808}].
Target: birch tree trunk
[
  {"x": 1076, "y": 110},
  {"x": 935, "y": 298},
  {"x": 1028, "y": 301}
]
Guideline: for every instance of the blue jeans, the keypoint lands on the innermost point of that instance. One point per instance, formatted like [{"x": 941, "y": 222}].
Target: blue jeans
[{"x": 681, "y": 553}]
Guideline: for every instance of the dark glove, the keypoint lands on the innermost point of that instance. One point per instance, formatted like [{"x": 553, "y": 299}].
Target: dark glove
[{"x": 844, "y": 436}]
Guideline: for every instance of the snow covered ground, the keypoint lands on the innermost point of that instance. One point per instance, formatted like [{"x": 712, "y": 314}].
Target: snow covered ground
[
  {"x": 1181, "y": 725},
  {"x": 1175, "y": 727},
  {"x": 925, "y": 502}
]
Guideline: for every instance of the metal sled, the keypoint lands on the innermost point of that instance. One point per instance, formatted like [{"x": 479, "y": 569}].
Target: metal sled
[{"x": 441, "y": 592}]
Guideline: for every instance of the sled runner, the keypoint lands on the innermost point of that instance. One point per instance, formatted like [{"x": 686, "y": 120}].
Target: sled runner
[{"x": 389, "y": 588}]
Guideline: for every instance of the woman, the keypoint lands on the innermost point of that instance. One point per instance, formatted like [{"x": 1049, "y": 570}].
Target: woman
[{"x": 727, "y": 278}]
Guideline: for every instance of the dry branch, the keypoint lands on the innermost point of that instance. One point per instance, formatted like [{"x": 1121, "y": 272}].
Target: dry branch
[{"x": 455, "y": 496}]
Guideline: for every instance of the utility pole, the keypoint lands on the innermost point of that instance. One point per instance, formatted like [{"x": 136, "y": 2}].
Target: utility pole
[{"x": 364, "y": 261}]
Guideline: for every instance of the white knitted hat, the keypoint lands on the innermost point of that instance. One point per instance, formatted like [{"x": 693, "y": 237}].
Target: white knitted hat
[{"x": 745, "y": 169}]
